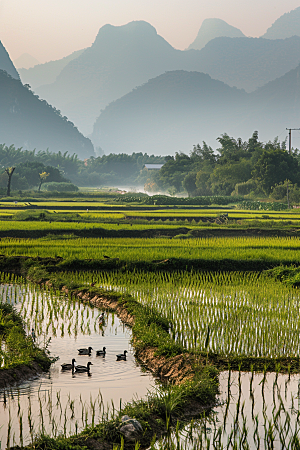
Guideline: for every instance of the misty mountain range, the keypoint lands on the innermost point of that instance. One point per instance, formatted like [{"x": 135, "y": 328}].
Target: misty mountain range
[
  {"x": 132, "y": 91},
  {"x": 122, "y": 58},
  {"x": 178, "y": 109}
]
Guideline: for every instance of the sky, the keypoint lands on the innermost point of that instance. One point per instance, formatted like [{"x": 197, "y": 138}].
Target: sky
[{"x": 51, "y": 29}]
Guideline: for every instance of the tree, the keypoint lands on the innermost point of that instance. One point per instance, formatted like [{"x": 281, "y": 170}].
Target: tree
[
  {"x": 275, "y": 166},
  {"x": 43, "y": 176},
  {"x": 189, "y": 183},
  {"x": 173, "y": 172},
  {"x": 9, "y": 171}
]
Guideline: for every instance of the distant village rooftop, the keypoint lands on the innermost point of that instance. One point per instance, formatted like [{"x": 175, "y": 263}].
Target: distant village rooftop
[{"x": 153, "y": 166}]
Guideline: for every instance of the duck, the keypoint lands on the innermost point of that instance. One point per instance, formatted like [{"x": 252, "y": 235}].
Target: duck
[
  {"x": 101, "y": 352},
  {"x": 86, "y": 368},
  {"x": 68, "y": 366},
  {"x": 101, "y": 318},
  {"x": 122, "y": 356},
  {"x": 85, "y": 351}
]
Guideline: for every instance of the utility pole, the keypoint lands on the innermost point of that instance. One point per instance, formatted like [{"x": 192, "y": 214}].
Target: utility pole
[
  {"x": 290, "y": 138},
  {"x": 290, "y": 152}
]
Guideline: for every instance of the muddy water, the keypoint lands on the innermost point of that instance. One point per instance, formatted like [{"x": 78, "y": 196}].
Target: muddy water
[{"x": 62, "y": 402}]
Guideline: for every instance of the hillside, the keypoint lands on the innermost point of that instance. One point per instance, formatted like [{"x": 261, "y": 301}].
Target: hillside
[
  {"x": 285, "y": 26},
  {"x": 248, "y": 63},
  {"x": 28, "y": 122},
  {"x": 279, "y": 102},
  {"x": 6, "y": 63},
  {"x": 169, "y": 114},
  {"x": 120, "y": 59},
  {"x": 178, "y": 109},
  {"x": 212, "y": 28},
  {"x": 46, "y": 73}
]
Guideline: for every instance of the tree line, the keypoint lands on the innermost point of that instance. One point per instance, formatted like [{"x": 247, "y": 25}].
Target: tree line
[
  {"x": 250, "y": 169},
  {"x": 238, "y": 168},
  {"x": 106, "y": 170}
]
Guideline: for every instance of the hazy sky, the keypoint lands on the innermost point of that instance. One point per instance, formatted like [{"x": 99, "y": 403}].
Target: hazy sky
[{"x": 51, "y": 29}]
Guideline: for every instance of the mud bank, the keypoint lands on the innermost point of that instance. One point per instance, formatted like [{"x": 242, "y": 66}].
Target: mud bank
[{"x": 9, "y": 377}]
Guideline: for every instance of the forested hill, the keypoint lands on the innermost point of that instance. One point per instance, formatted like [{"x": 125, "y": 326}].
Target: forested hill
[
  {"x": 6, "y": 63},
  {"x": 28, "y": 122},
  {"x": 170, "y": 113}
]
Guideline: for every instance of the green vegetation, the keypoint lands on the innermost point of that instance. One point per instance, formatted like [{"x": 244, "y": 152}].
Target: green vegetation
[
  {"x": 45, "y": 310},
  {"x": 236, "y": 171},
  {"x": 104, "y": 170},
  {"x": 18, "y": 349},
  {"x": 173, "y": 254},
  {"x": 36, "y": 122},
  {"x": 227, "y": 304},
  {"x": 161, "y": 408},
  {"x": 192, "y": 295},
  {"x": 248, "y": 168}
]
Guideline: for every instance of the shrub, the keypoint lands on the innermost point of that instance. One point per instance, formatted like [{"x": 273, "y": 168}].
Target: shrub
[{"x": 60, "y": 187}]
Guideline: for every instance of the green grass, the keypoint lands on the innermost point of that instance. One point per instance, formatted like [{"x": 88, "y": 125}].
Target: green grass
[{"x": 16, "y": 348}]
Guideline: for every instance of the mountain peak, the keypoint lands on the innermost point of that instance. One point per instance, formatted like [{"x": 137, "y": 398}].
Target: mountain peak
[
  {"x": 26, "y": 61},
  {"x": 212, "y": 28},
  {"x": 285, "y": 26},
  {"x": 137, "y": 27}
]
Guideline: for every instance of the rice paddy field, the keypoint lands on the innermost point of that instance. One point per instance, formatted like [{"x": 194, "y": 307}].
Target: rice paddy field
[
  {"x": 248, "y": 315},
  {"x": 237, "y": 314},
  {"x": 276, "y": 250}
]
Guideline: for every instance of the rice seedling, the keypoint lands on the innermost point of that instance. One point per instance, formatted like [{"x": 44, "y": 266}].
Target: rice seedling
[
  {"x": 223, "y": 313},
  {"x": 274, "y": 250}
]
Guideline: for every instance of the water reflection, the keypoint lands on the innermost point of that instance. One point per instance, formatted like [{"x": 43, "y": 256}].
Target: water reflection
[
  {"x": 62, "y": 401},
  {"x": 255, "y": 411}
]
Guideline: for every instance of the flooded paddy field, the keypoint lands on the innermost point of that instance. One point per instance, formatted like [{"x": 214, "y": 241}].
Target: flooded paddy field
[
  {"x": 255, "y": 411},
  {"x": 59, "y": 401},
  {"x": 246, "y": 315}
]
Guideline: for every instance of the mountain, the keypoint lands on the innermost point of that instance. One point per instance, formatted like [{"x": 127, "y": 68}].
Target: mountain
[
  {"x": 285, "y": 26},
  {"x": 279, "y": 102},
  {"x": 25, "y": 61},
  {"x": 170, "y": 113},
  {"x": 46, "y": 73},
  {"x": 212, "y": 28},
  {"x": 28, "y": 122},
  {"x": 7, "y": 64},
  {"x": 248, "y": 63},
  {"x": 178, "y": 109},
  {"x": 124, "y": 57},
  {"x": 120, "y": 59}
]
